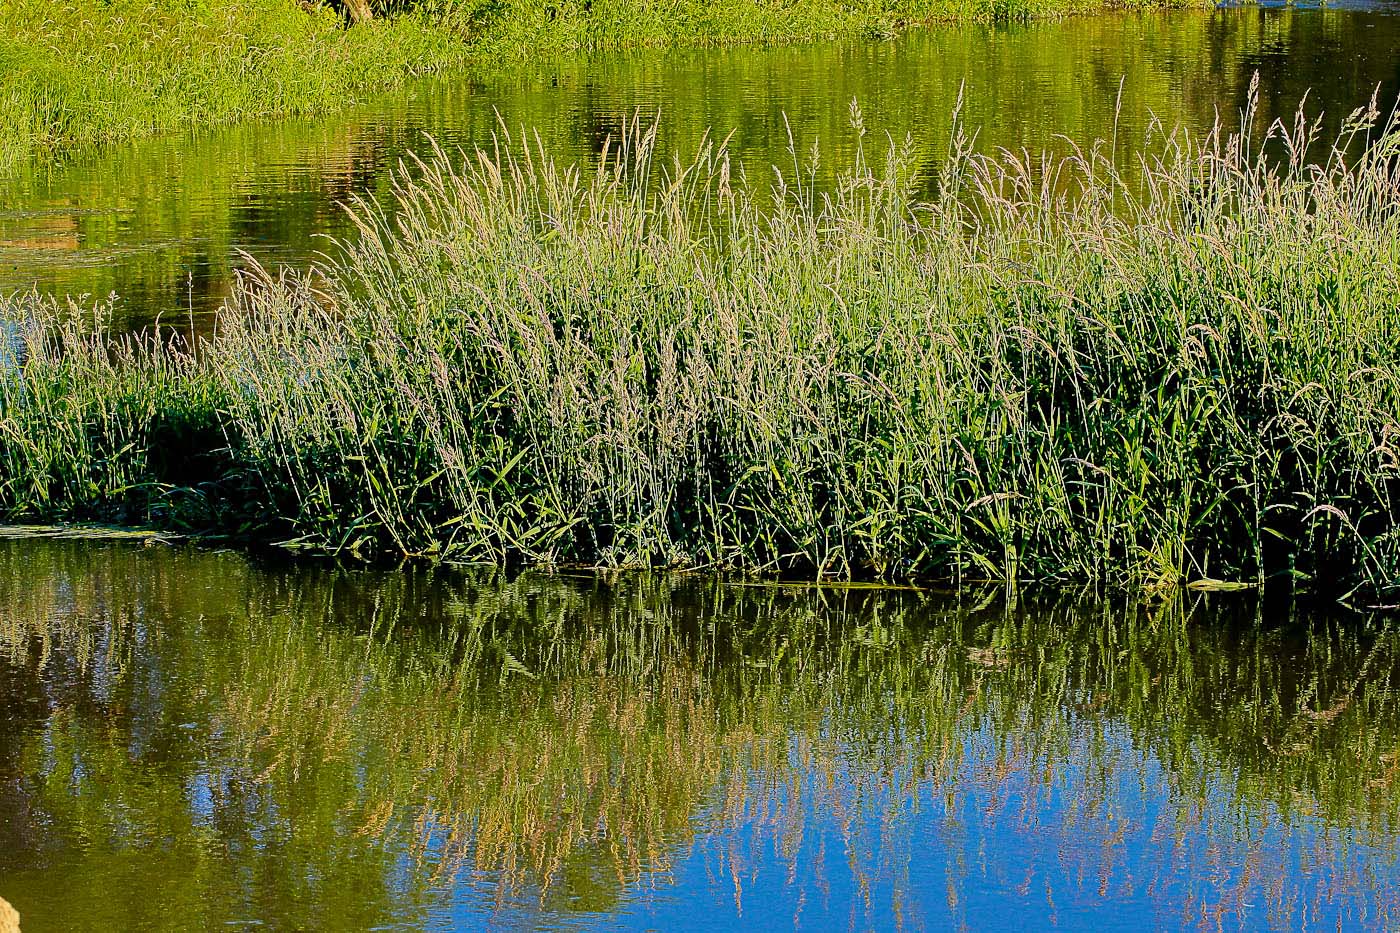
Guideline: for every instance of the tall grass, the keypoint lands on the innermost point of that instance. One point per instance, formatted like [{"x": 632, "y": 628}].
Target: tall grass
[{"x": 1040, "y": 373}]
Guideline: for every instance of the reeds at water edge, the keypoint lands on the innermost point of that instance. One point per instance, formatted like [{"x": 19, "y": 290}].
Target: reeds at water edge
[{"x": 1038, "y": 371}]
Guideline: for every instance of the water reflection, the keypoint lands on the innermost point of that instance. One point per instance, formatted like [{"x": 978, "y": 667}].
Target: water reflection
[
  {"x": 189, "y": 740},
  {"x": 159, "y": 222}
]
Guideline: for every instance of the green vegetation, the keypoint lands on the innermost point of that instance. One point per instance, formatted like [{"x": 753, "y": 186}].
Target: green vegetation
[
  {"x": 329, "y": 749},
  {"x": 89, "y": 71},
  {"x": 135, "y": 219},
  {"x": 1039, "y": 374},
  {"x": 506, "y": 30}
]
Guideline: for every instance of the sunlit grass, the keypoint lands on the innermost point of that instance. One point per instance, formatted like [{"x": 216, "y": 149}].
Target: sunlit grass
[
  {"x": 508, "y": 32},
  {"x": 84, "y": 71},
  {"x": 1042, "y": 373}
]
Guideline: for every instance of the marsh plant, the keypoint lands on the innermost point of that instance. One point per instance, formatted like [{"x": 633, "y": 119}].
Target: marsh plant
[{"x": 1039, "y": 372}]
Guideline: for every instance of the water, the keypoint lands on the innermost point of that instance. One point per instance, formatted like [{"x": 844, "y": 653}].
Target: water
[
  {"x": 161, "y": 223},
  {"x": 194, "y": 740}
]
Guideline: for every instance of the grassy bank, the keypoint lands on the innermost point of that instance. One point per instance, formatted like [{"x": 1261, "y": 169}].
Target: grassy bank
[
  {"x": 84, "y": 71},
  {"x": 508, "y": 30},
  {"x": 1037, "y": 374}
]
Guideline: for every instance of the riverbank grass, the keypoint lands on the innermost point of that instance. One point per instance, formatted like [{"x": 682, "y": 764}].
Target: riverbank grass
[
  {"x": 1040, "y": 372},
  {"x": 90, "y": 72},
  {"x": 508, "y": 32},
  {"x": 85, "y": 72}
]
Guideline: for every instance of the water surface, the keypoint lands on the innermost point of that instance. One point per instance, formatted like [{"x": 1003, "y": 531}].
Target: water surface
[
  {"x": 161, "y": 222},
  {"x": 192, "y": 740}
]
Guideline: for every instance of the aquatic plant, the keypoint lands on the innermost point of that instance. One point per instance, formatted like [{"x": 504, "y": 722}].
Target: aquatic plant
[{"x": 1041, "y": 372}]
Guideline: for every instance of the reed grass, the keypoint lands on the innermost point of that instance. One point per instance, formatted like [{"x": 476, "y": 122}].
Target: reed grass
[{"x": 1041, "y": 372}]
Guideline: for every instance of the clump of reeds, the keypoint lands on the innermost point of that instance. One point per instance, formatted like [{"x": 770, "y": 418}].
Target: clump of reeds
[
  {"x": 1041, "y": 371},
  {"x": 105, "y": 427}
]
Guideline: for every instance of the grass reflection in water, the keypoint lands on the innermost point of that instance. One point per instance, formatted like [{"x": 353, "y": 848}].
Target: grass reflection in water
[{"x": 193, "y": 738}]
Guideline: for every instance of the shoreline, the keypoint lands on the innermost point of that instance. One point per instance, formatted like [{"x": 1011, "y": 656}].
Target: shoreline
[
  {"x": 528, "y": 364},
  {"x": 266, "y": 62}
]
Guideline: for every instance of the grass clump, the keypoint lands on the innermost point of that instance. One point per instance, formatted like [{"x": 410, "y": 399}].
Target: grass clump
[
  {"x": 1039, "y": 373},
  {"x": 106, "y": 429}
]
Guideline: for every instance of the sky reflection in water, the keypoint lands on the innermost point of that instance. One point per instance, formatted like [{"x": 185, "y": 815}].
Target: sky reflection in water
[{"x": 193, "y": 739}]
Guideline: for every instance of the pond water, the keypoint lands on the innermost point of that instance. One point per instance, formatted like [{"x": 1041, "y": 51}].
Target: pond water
[
  {"x": 195, "y": 740},
  {"x": 161, "y": 222}
]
